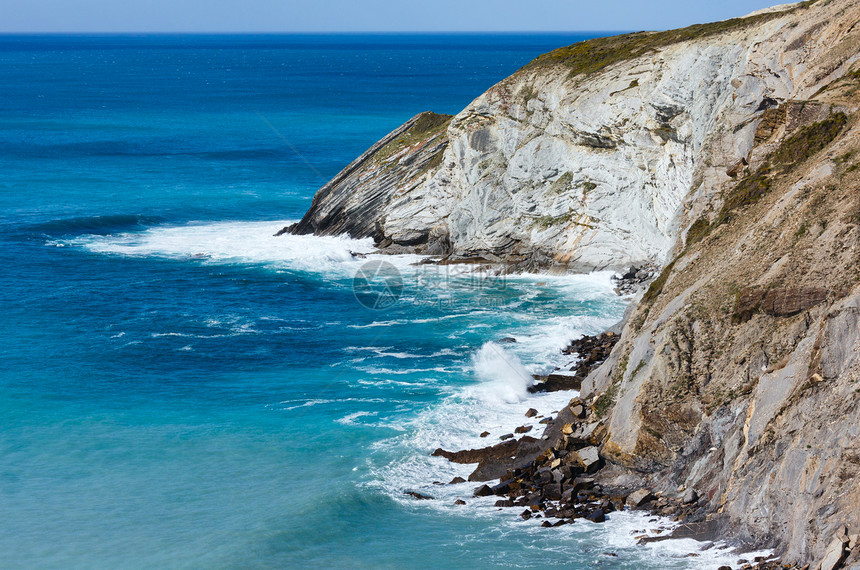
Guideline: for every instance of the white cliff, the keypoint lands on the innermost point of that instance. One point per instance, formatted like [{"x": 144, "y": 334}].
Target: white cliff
[{"x": 591, "y": 170}]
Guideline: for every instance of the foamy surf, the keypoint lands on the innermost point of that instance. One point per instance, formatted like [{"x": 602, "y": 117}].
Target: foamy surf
[
  {"x": 252, "y": 243},
  {"x": 503, "y": 376},
  {"x": 496, "y": 401}
]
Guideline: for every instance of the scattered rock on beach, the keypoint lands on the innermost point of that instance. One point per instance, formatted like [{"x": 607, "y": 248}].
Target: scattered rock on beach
[
  {"x": 590, "y": 458},
  {"x": 592, "y": 350},
  {"x": 638, "y": 498},
  {"x": 634, "y": 278},
  {"x": 690, "y": 496}
]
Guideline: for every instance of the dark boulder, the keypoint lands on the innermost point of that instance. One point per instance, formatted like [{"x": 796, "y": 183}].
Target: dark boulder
[{"x": 495, "y": 461}]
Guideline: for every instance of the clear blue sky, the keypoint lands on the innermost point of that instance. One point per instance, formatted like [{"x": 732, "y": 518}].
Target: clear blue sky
[{"x": 360, "y": 15}]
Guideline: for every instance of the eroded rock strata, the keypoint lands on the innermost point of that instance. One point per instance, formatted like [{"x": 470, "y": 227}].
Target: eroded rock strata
[{"x": 726, "y": 154}]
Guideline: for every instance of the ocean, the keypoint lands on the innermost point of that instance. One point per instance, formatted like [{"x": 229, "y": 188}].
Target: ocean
[{"x": 182, "y": 389}]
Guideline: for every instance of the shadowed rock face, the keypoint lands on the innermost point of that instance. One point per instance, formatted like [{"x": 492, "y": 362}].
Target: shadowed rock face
[{"x": 354, "y": 202}]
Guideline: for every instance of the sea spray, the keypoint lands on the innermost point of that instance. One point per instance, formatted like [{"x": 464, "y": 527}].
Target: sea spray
[{"x": 504, "y": 378}]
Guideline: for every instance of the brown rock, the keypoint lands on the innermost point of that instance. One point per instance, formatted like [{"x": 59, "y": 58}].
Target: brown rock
[
  {"x": 494, "y": 461},
  {"x": 779, "y": 302},
  {"x": 638, "y": 498},
  {"x": 459, "y": 502},
  {"x": 590, "y": 459},
  {"x": 557, "y": 382},
  {"x": 598, "y": 433},
  {"x": 523, "y": 429},
  {"x": 531, "y": 413},
  {"x": 485, "y": 434}
]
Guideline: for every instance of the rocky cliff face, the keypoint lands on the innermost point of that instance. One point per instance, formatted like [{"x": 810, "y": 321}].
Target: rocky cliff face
[
  {"x": 534, "y": 170},
  {"x": 727, "y": 153},
  {"x": 738, "y": 373}
]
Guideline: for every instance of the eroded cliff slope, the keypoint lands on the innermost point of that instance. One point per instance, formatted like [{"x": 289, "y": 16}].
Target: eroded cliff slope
[{"x": 738, "y": 373}]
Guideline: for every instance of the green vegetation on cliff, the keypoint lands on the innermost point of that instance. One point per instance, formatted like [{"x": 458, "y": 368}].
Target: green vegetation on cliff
[
  {"x": 427, "y": 126},
  {"x": 597, "y": 54},
  {"x": 794, "y": 151}
]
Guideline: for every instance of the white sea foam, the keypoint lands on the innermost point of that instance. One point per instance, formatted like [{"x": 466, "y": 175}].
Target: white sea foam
[
  {"x": 402, "y": 371},
  {"x": 351, "y": 419},
  {"x": 240, "y": 242},
  {"x": 404, "y": 322},
  {"x": 503, "y": 377}
]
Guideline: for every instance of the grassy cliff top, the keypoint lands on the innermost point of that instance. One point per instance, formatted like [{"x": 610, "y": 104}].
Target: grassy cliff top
[
  {"x": 427, "y": 126},
  {"x": 594, "y": 55}
]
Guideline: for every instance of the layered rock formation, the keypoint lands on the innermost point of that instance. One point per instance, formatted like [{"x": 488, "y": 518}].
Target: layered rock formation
[
  {"x": 729, "y": 155},
  {"x": 534, "y": 170}
]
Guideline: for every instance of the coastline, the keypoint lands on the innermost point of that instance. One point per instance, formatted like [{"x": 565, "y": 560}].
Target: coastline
[{"x": 560, "y": 477}]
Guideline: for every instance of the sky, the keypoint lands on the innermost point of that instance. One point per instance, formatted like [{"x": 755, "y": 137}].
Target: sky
[{"x": 112, "y": 16}]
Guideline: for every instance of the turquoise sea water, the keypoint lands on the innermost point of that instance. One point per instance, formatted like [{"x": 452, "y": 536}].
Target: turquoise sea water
[{"x": 180, "y": 389}]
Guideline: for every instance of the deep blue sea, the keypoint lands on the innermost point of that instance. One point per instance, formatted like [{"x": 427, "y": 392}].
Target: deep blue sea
[{"x": 181, "y": 389}]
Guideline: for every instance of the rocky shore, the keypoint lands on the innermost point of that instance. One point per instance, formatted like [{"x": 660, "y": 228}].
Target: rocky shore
[
  {"x": 591, "y": 351},
  {"x": 562, "y": 476}
]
